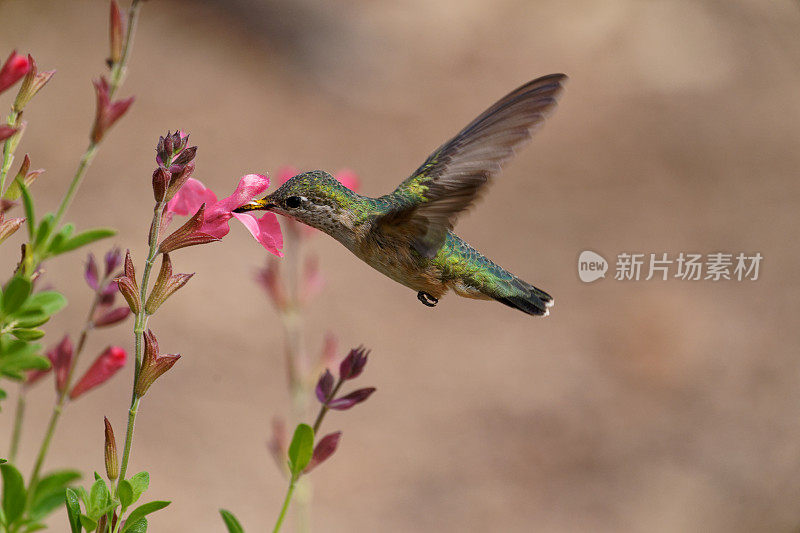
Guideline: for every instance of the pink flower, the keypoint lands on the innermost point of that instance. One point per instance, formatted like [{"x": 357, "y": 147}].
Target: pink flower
[
  {"x": 193, "y": 195},
  {"x": 106, "y": 365},
  {"x": 15, "y": 67}
]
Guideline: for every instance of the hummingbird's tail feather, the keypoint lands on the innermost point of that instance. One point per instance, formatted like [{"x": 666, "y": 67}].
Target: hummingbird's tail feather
[{"x": 525, "y": 297}]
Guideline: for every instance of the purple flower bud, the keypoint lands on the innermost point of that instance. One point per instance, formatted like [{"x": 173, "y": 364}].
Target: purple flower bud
[
  {"x": 352, "y": 365},
  {"x": 114, "y": 316},
  {"x": 90, "y": 273},
  {"x": 324, "y": 386},
  {"x": 348, "y": 401},
  {"x": 113, "y": 260},
  {"x": 324, "y": 449},
  {"x": 161, "y": 177}
]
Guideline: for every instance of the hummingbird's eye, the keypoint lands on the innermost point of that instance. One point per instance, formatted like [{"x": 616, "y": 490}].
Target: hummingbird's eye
[{"x": 293, "y": 202}]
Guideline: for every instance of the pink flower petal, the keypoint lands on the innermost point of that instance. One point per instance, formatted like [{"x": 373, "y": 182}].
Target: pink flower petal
[
  {"x": 190, "y": 197},
  {"x": 248, "y": 188},
  {"x": 265, "y": 230}
]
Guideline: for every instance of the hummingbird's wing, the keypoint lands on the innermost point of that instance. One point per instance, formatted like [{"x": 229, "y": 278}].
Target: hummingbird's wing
[{"x": 453, "y": 177}]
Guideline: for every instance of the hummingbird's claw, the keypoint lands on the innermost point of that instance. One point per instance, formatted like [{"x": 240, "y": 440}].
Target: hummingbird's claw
[{"x": 427, "y": 299}]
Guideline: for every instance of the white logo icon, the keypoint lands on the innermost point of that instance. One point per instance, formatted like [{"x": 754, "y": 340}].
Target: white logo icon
[{"x": 591, "y": 266}]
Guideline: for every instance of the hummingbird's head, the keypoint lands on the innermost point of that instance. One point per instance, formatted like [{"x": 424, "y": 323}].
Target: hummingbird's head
[{"x": 314, "y": 198}]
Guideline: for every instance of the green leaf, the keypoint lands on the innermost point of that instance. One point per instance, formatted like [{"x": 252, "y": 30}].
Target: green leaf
[
  {"x": 34, "y": 526},
  {"x": 139, "y": 483},
  {"x": 44, "y": 230},
  {"x": 142, "y": 511},
  {"x": 30, "y": 215},
  {"x": 31, "y": 317},
  {"x": 125, "y": 493},
  {"x": 73, "y": 510},
  {"x": 49, "y": 493},
  {"x": 27, "y": 334},
  {"x": 50, "y": 302},
  {"x": 88, "y": 523},
  {"x": 231, "y": 522},
  {"x": 3, "y": 461},
  {"x": 301, "y": 449},
  {"x": 82, "y": 239},
  {"x": 15, "y": 294},
  {"x": 15, "y": 364},
  {"x": 99, "y": 498},
  {"x": 62, "y": 236},
  {"x": 13, "y": 493},
  {"x": 139, "y": 527}
]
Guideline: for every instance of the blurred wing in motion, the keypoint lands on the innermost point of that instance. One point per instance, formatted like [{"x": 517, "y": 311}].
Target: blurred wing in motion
[{"x": 454, "y": 176}]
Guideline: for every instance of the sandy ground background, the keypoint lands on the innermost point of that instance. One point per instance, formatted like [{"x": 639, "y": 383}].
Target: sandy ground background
[{"x": 637, "y": 406}]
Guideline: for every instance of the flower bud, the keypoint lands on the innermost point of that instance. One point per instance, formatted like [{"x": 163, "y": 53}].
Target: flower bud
[
  {"x": 153, "y": 364},
  {"x": 312, "y": 280},
  {"x": 165, "y": 286},
  {"x": 15, "y": 67},
  {"x": 130, "y": 292},
  {"x": 127, "y": 285},
  {"x": 31, "y": 84},
  {"x": 61, "y": 359},
  {"x": 348, "y": 401},
  {"x": 324, "y": 386},
  {"x": 180, "y": 174},
  {"x": 112, "y": 465},
  {"x": 161, "y": 177},
  {"x": 107, "y": 112},
  {"x": 112, "y": 259},
  {"x": 14, "y": 190},
  {"x": 112, "y": 317},
  {"x": 9, "y": 227},
  {"x": 278, "y": 443},
  {"x": 90, "y": 272},
  {"x": 323, "y": 450},
  {"x": 104, "y": 367},
  {"x": 188, "y": 235},
  {"x": 186, "y": 156},
  {"x": 6, "y": 131},
  {"x": 270, "y": 279},
  {"x": 352, "y": 365},
  {"x": 116, "y": 31}
]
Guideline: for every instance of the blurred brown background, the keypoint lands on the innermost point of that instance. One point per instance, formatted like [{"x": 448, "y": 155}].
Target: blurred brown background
[{"x": 637, "y": 406}]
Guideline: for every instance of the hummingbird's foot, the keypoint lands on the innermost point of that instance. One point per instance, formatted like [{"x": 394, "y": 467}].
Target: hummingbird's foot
[{"x": 427, "y": 299}]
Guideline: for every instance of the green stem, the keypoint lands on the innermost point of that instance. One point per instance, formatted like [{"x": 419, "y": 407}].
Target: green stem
[
  {"x": 286, "y": 501},
  {"x": 126, "y": 452},
  {"x": 19, "y": 416},
  {"x": 117, "y": 76},
  {"x": 8, "y": 155},
  {"x": 83, "y": 166},
  {"x": 63, "y": 394},
  {"x": 138, "y": 330}
]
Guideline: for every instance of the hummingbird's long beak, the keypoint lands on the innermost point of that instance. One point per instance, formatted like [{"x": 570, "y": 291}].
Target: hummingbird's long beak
[{"x": 256, "y": 205}]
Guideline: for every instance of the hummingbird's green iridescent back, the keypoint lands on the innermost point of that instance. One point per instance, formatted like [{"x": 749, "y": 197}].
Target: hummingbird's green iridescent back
[{"x": 407, "y": 234}]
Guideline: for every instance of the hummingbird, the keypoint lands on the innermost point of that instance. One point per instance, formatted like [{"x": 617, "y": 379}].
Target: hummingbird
[{"x": 407, "y": 234}]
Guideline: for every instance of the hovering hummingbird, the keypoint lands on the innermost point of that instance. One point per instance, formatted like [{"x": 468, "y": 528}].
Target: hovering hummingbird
[{"x": 407, "y": 234}]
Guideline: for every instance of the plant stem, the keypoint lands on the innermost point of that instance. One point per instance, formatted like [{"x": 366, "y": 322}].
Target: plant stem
[
  {"x": 286, "y": 502},
  {"x": 138, "y": 330},
  {"x": 19, "y": 416},
  {"x": 117, "y": 76},
  {"x": 8, "y": 155},
  {"x": 83, "y": 166},
  {"x": 63, "y": 394}
]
